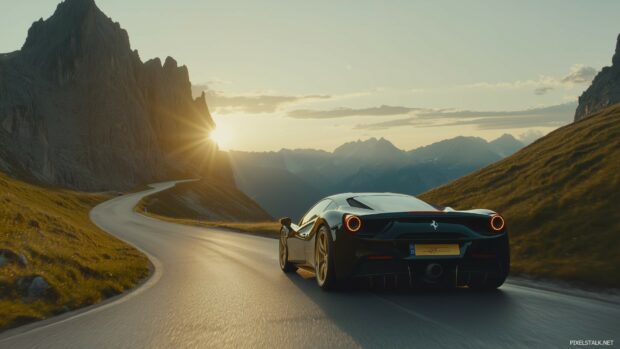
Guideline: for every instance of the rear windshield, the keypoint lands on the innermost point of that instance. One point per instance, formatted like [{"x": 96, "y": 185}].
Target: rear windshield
[{"x": 391, "y": 203}]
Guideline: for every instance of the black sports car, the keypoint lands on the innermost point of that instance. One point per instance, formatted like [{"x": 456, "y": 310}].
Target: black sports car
[{"x": 396, "y": 238}]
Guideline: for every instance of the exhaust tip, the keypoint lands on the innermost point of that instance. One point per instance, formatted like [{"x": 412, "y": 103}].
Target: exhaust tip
[{"x": 434, "y": 271}]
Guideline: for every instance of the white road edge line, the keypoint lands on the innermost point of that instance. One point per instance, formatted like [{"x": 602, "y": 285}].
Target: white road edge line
[
  {"x": 123, "y": 297},
  {"x": 158, "y": 271}
]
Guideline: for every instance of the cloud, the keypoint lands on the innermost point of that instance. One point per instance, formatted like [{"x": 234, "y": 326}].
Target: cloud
[
  {"x": 257, "y": 103},
  {"x": 552, "y": 116},
  {"x": 578, "y": 74},
  {"x": 542, "y": 90},
  {"x": 383, "y": 110},
  {"x": 383, "y": 125},
  {"x": 518, "y": 84},
  {"x": 542, "y": 111}
]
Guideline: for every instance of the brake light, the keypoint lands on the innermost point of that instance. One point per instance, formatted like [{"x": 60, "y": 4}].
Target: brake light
[
  {"x": 497, "y": 223},
  {"x": 352, "y": 223}
]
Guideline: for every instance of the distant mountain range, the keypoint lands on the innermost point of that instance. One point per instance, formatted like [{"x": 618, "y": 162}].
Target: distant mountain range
[{"x": 286, "y": 182}]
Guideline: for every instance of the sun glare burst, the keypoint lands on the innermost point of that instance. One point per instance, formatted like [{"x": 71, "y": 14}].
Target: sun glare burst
[{"x": 221, "y": 137}]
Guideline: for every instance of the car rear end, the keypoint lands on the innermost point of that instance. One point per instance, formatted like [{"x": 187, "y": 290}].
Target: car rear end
[{"x": 427, "y": 249}]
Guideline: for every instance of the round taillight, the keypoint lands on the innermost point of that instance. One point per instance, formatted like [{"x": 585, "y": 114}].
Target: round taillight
[
  {"x": 497, "y": 223},
  {"x": 352, "y": 223}
]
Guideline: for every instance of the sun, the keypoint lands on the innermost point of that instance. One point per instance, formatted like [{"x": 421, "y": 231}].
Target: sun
[{"x": 221, "y": 137}]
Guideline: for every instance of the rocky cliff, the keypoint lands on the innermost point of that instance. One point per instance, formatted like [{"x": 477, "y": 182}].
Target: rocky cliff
[
  {"x": 604, "y": 91},
  {"x": 79, "y": 108}
]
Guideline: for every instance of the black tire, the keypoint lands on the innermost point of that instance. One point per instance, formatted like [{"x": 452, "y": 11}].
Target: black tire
[
  {"x": 324, "y": 260},
  {"x": 285, "y": 265}
]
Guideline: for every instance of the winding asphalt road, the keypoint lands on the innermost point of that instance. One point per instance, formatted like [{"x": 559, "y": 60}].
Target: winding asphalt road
[{"x": 215, "y": 288}]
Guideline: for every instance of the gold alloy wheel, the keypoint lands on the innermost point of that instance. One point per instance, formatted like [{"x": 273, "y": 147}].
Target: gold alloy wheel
[{"x": 321, "y": 256}]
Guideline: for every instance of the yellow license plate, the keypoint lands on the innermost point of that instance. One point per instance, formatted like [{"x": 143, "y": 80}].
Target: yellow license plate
[{"x": 437, "y": 250}]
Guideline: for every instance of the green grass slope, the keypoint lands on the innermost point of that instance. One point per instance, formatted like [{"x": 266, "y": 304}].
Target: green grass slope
[
  {"x": 46, "y": 232},
  {"x": 561, "y": 199},
  {"x": 210, "y": 203},
  {"x": 207, "y": 199}
]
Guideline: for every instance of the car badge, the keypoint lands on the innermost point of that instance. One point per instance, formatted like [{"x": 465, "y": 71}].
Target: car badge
[{"x": 434, "y": 225}]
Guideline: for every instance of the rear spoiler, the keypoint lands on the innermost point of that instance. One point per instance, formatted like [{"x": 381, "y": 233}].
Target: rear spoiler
[
  {"x": 475, "y": 220},
  {"x": 421, "y": 214}
]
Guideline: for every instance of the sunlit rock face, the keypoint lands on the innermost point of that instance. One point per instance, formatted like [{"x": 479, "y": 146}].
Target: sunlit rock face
[
  {"x": 604, "y": 91},
  {"x": 79, "y": 108}
]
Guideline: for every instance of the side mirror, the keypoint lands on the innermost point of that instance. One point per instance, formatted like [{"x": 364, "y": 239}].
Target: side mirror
[{"x": 286, "y": 222}]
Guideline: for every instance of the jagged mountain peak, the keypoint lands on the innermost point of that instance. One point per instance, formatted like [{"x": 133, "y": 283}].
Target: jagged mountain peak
[
  {"x": 77, "y": 31},
  {"x": 373, "y": 141},
  {"x": 77, "y": 7},
  {"x": 170, "y": 63},
  {"x": 505, "y": 137},
  {"x": 367, "y": 148},
  {"x": 70, "y": 16},
  {"x": 82, "y": 110},
  {"x": 506, "y": 145},
  {"x": 604, "y": 90},
  {"x": 616, "y": 58}
]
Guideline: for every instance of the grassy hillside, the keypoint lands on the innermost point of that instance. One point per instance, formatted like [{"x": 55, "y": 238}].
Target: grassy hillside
[
  {"x": 269, "y": 229},
  {"x": 212, "y": 204},
  {"x": 274, "y": 187},
  {"x": 560, "y": 196},
  {"x": 47, "y": 233},
  {"x": 206, "y": 199}
]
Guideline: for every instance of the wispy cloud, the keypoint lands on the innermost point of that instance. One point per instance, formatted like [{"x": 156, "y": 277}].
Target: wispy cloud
[
  {"x": 383, "y": 110},
  {"x": 542, "y": 90},
  {"x": 552, "y": 116},
  {"x": 384, "y": 125},
  {"x": 517, "y": 84},
  {"x": 578, "y": 74},
  {"x": 251, "y": 103}
]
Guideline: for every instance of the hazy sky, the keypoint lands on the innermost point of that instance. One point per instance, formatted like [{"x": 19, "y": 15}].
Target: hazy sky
[{"x": 314, "y": 74}]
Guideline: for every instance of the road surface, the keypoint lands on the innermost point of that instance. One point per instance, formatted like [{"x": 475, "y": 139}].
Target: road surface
[{"x": 214, "y": 288}]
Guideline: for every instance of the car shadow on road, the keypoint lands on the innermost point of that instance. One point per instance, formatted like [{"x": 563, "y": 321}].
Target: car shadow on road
[{"x": 376, "y": 316}]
